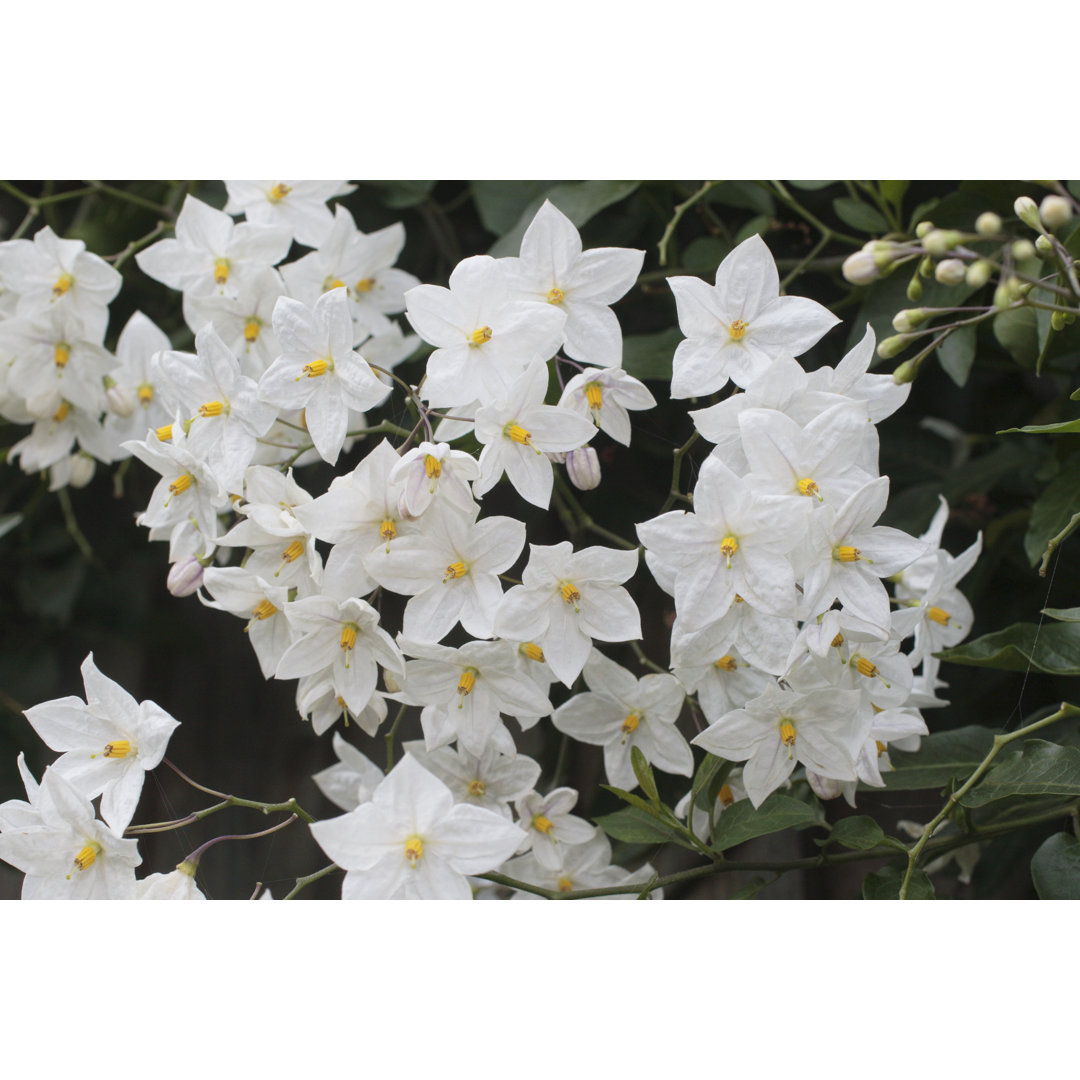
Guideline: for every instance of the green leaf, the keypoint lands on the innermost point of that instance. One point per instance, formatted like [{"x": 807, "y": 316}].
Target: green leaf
[
  {"x": 860, "y": 215},
  {"x": 8, "y": 522},
  {"x": 579, "y": 201},
  {"x": 957, "y": 353},
  {"x": 1053, "y": 649},
  {"x": 894, "y": 190},
  {"x": 643, "y": 772},
  {"x": 748, "y": 892},
  {"x": 759, "y": 225},
  {"x": 1055, "y": 868},
  {"x": 810, "y": 185},
  {"x": 399, "y": 194},
  {"x": 741, "y": 822},
  {"x": 500, "y": 203},
  {"x": 885, "y": 885},
  {"x": 1067, "y": 614},
  {"x": 1066, "y": 427},
  {"x": 1043, "y": 768},
  {"x": 857, "y": 833},
  {"x": 744, "y": 194},
  {"x": 634, "y": 826},
  {"x": 648, "y": 356},
  {"x": 633, "y": 800},
  {"x": 1017, "y": 333},
  {"x": 705, "y": 772},
  {"x": 1053, "y": 509},
  {"x": 940, "y": 758},
  {"x": 921, "y": 212},
  {"x": 703, "y": 255}
]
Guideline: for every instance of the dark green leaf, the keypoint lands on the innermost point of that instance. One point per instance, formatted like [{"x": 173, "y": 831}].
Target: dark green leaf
[
  {"x": 748, "y": 892},
  {"x": 1054, "y": 649},
  {"x": 500, "y": 203},
  {"x": 857, "y": 833},
  {"x": 894, "y": 190},
  {"x": 633, "y": 800},
  {"x": 744, "y": 194},
  {"x": 885, "y": 885},
  {"x": 648, "y": 356},
  {"x": 635, "y": 826},
  {"x": 940, "y": 758},
  {"x": 810, "y": 185},
  {"x": 759, "y": 225},
  {"x": 741, "y": 822},
  {"x": 957, "y": 353},
  {"x": 705, "y": 772},
  {"x": 643, "y": 772},
  {"x": 1055, "y": 868},
  {"x": 703, "y": 255},
  {"x": 860, "y": 215},
  {"x": 1043, "y": 768},
  {"x": 1053, "y": 509},
  {"x": 1017, "y": 333},
  {"x": 1068, "y": 614},
  {"x": 579, "y": 201},
  {"x": 1066, "y": 427},
  {"x": 399, "y": 194},
  {"x": 920, "y": 212}
]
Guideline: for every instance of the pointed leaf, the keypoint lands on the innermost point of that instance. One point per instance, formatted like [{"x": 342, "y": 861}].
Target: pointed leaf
[
  {"x": 940, "y": 758},
  {"x": 1068, "y": 614},
  {"x": 1055, "y": 868},
  {"x": 635, "y": 826},
  {"x": 742, "y": 822},
  {"x": 648, "y": 356},
  {"x": 643, "y": 772},
  {"x": 885, "y": 885},
  {"x": 1043, "y": 768},
  {"x": 1053, "y": 509},
  {"x": 957, "y": 353},
  {"x": 860, "y": 215},
  {"x": 858, "y": 833},
  {"x": 1053, "y": 649}
]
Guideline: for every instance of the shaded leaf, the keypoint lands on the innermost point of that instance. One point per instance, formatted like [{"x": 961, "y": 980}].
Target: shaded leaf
[
  {"x": 1052, "y": 649},
  {"x": 759, "y": 225},
  {"x": 635, "y": 826},
  {"x": 643, "y": 772},
  {"x": 885, "y": 885},
  {"x": 860, "y": 215},
  {"x": 1066, "y": 427},
  {"x": 1055, "y": 868},
  {"x": 705, "y": 772},
  {"x": 500, "y": 203},
  {"x": 1017, "y": 333},
  {"x": 894, "y": 190},
  {"x": 858, "y": 833},
  {"x": 1053, "y": 509},
  {"x": 1043, "y": 768},
  {"x": 811, "y": 185},
  {"x": 703, "y": 255},
  {"x": 399, "y": 194},
  {"x": 1068, "y": 614},
  {"x": 648, "y": 356},
  {"x": 957, "y": 353},
  {"x": 742, "y": 822},
  {"x": 744, "y": 194},
  {"x": 748, "y": 892},
  {"x": 940, "y": 758},
  {"x": 633, "y": 800}
]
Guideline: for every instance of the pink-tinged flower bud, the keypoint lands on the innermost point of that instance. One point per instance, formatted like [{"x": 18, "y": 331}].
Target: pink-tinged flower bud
[
  {"x": 988, "y": 224},
  {"x": 583, "y": 468},
  {"x": 822, "y": 786},
  {"x": 185, "y": 577},
  {"x": 119, "y": 398},
  {"x": 950, "y": 272},
  {"x": 1026, "y": 210},
  {"x": 1055, "y": 211},
  {"x": 860, "y": 268}
]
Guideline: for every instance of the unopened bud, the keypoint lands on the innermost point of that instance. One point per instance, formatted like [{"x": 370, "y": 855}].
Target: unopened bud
[
  {"x": 1055, "y": 211},
  {"x": 923, "y": 228},
  {"x": 938, "y": 241},
  {"x": 988, "y": 224},
  {"x": 1026, "y": 210},
  {"x": 1044, "y": 246},
  {"x": 860, "y": 268},
  {"x": 1023, "y": 249},
  {"x": 906, "y": 372},
  {"x": 910, "y": 319},
  {"x": 1006, "y": 293},
  {"x": 926, "y": 266},
  {"x": 557, "y": 457},
  {"x": 1057, "y": 320},
  {"x": 822, "y": 786},
  {"x": 950, "y": 272},
  {"x": 82, "y": 470},
  {"x": 583, "y": 468},
  {"x": 119, "y": 398},
  {"x": 391, "y": 684},
  {"x": 914, "y": 289},
  {"x": 893, "y": 346},
  {"x": 185, "y": 576},
  {"x": 978, "y": 273}
]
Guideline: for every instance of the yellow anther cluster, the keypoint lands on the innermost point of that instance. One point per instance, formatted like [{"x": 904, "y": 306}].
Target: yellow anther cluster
[
  {"x": 848, "y": 554},
  {"x": 221, "y": 271},
  {"x": 864, "y": 667},
  {"x": 480, "y": 336},
  {"x": 414, "y": 849},
  {"x": 293, "y": 551},
  {"x": 164, "y": 433},
  {"x": 455, "y": 570},
  {"x": 61, "y": 413},
  {"x": 313, "y": 370},
  {"x": 211, "y": 408},
  {"x": 348, "y": 636},
  {"x": 61, "y": 355},
  {"x": 565, "y": 885},
  {"x": 738, "y": 329},
  {"x": 333, "y": 283},
  {"x": 466, "y": 683},
  {"x": 725, "y": 795},
  {"x": 278, "y": 192},
  {"x": 938, "y": 615},
  {"x": 630, "y": 724},
  {"x": 881, "y": 747},
  {"x": 477, "y": 787},
  {"x": 387, "y": 530},
  {"x": 570, "y": 594},
  {"x": 728, "y": 546},
  {"x": 542, "y": 824},
  {"x": 63, "y": 284},
  {"x": 555, "y": 296},
  {"x": 145, "y": 393},
  {"x": 787, "y": 733},
  {"x": 118, "y": 748},
  {"x": 809, "y": 487},
  {"x": 251, "y": 331},
  {"x": 837, "y": 641},
  {"x": 432, "y": 467},
  {"x": 263, "y": 610},
  {"x": 181, "y": 483},
  {"x": 594, "y": 395},
  {"x": 368, "y": 283},
  {"x": 518, "y": 434},
  {"x": 726, "y": 662},
  {"x": 85, "y": 859},
  {"x": 532, "y": 651}
]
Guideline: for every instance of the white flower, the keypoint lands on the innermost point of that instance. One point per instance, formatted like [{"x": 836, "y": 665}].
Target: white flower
[
  {"x": 549, "y": 825},
  {"x": 179, "y": 885},
  {"x": 352, "y": 780},
  {"x": 433, "y": 470},
  {"x": 604, "y": 396},
  {"x": 297, "y": 205}
]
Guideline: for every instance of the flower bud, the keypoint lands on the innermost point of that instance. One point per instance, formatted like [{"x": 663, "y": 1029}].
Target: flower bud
[
  {"x": 1006, "y": 293},
  {"x": 988, "y": 224},
  {"x": 906, "y": 372},
  {"x": 1023, "y": 249},
  {"x": 923, "y": 228},
  {"x": 82, "y": 470},
  {"x": 1026, "y": 210},
  {"x": 978, "y": 273},
  {"x": 391, "y": 684},
  {"x": 556, "y": 457},
  {"x": 119, "y": 398},
  {"x": 860, "y": 268},
  {"x": 583, "y": 468},
  {"x": 185, "y": 577},
  {"x": 822, "y": 786},
  {"x": 893, "y": 346},
  {"x": 1057, "y": 320},
  {"x": 950, "y": 272},
  {"x": 914, "y": 289},
  {"x": 938, "y": 241},
  {"x": 926, "y": 266},
  {"x": 1055, "y": 211},
  {"x": 909, "y": 319},
  {"x": 1044, "y": 246}
]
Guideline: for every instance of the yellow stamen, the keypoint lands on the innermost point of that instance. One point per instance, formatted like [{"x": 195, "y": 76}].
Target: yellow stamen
[
  {"x": 555, "y": 296},
  {"x": 787, "y": 733},
  {"x": 336, "y": 283},
  {"x": 348, "y": 636},
  {"x": 837, "y": 641},
  {"x": 726, "y": 662},
  {"x": 542, "y": 824},
  {"x": 738, "y": 329},
  {"x": 466, "y": 684},
  {"x": 61, "y": 355},
  {"x": 864, "y": 667},
  {"x": 63, "y": 283},
  {"x": 594, "y": 395},
  {"x": 725, "y": 795},
  {"x": 881, "y": 747},
  {"x": 293, "y": 551},
  {"x": 368, "y": 283},
  {"x": 278, "y": 192},
  {"x": 181, "y": 483},
  {"x": 565, "y": 885},
  {"x": 728, "y": 546},
  {"x": 739, "y": 599},
  {"x": 481, "y": 335},
  {"x": 145, "y": 393},
  {"x": 264, "y": 609},
  {"x": 630, "y": 725},
  {"x": 118, "y": 748},
  {"x": 387, "y": 531},
  {"x": 211, "y": 408},
  {"x": 570, "y": 594},
  {"x": 938, "y": 615},
  {"x": 432, "y": 467},
  {"x": 61, "y": 414},
  {"x": 85, "y": 859},
  {"x": 848, "y": 554},
  {"x": 164, "y": 434},
  {"x": 532, "y": 651},
  {"x": 809, "y": 487},
  {"x": 221, "y": 271},
  {"x": 518, "y": 434},
  {"x": 455, "y": 570},
  {"x": 313, "y": 370},
  {"x": 251, "y": 331},
  {"x": 414, "y": 849},
  {"x": 477, "y": 787}
]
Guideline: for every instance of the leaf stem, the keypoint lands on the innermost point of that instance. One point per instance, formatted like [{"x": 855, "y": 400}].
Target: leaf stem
[{"x": 669, "y": 231}]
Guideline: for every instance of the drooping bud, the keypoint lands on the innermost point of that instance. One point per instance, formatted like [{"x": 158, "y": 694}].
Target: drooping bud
[
  {"x": 926, "y": 266},
  {"x": 1055, "y": 211},
  {"x": 1026, "y": 210},
  {"x": 1044, "y": 246},
  {"x": 914, "y": 289},
  {"x": 583, "y": 468},
  {"x": 988, "y": 224},
  {"x": 860, "y": 268},
  {"x": 910, "y": 318},
  {"x": 822, "y": 786},
  {"x": 82, "y": 470},
  {"x": 923, "y": 228},
  {"x": 950, "y": 272},
  {"x": 119, "y": 398},
  {"x": 185, "y": 577},
  {"x": 978, "y": 273},
  {"x": 1023, "y": 249},
  {"x": 893, "y": 346},
  {"x": 1006, "y": 293},
  {"x": 1057, "y": 321},
  {"x": 938, "y": 241}
]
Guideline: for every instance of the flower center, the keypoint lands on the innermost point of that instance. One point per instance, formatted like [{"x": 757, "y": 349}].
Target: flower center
[
  {"x": 728, "y": 546},
  {"x": 85, "y": 859},
  {"x": 938, "y": 615},
  {"x": 387, "y": 531},
  {"x": 532, "y": 651},
  {"x": 118, "y": 748},
  {"x": 837, "y": 641},
  {"x": 726, "y": 662},
  {"x": 251, "y": 331},
  {"x": 181, "y": 483},
  {"x": 865, "y": 667},
  {"x": 565, "y": 885},
  {"x": 594, "y": 395},
  {"x": 293, "y": 551},
  {"x": 278, "y": 192},
  {"x": 164, "y": 433},
  {"x": 332, "y": 283},
  {"x": 63, "y": 283},
  {"x": 221, "y": 271},
  {"x": 738, "y": 329},
  {"x": 477, "y": 787},
  {"x": 542, "y": 824},
  {"x": 570, "y": 594},
  {"x": 368, "y": 283},
  {"x": 480, "y": 336},
  {"x": 432, "y": 467},
  {"x": 211, "y": 408},
  {"x": 61, "y": 355},
  {"x": 848, "y": 554},
  {"x": 465, "y": 686},
  {"x": 809, "y": 487},
  {"x": 725, "y": 795},
  {"x": 348, "y": 636},
  {"x": 263, "y": 610},
  {"x": 313, "y": 370},
  {"x": 145, "y": 393},
  {"x": 414, "y": 849},
  {"x": 455, "y": 570},
  {"x": 555, "y": 296},
  {"x": 516, "y": 432},
  {"x": 881, "y": 747},
  {"x": 787, "y": 734},
  {"x": 61, "y": 413},
  {"x": 630, "y": 725}
]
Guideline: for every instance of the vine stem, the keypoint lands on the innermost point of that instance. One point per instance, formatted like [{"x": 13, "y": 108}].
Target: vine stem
[
  {"x": 676, "y": 470},
  {"x": 669, "y": 231},
  {"x": 304, "y": 882},
  {"x": 290, "y": 805},
  {"x": 1000, "y": 742}
]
